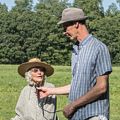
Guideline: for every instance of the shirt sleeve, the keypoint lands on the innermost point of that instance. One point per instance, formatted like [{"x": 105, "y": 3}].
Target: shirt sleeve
[{"x": 103, "y": 61}]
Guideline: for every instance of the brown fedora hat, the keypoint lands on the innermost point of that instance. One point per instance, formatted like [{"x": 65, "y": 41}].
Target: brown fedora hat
[
  {"x": 72, "y": 14},
  {"x": 35, "y": 62}
]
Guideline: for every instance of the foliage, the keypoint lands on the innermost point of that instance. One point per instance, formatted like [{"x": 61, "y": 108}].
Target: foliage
[
  {"x": 27, "y": 31},
  {"x": 92, "y": 8},
  {"x": 108, "y": 31},
  {"x": 112, "y": 10}
]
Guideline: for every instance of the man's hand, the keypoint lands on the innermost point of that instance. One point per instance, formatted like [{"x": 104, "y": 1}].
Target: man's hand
[
  {"x": 69, "y": 110},
  {"x": 43, "y": 91}
]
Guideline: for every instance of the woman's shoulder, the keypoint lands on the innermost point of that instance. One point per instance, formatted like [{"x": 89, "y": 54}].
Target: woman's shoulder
[{"x": 25, "y": 89}]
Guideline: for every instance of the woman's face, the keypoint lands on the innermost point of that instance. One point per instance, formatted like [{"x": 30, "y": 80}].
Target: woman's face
[{"x": 38, "y": 74}]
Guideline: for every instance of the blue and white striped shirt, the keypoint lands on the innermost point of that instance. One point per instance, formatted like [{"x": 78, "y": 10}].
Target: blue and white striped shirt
[{"x": 90, "y": 59}]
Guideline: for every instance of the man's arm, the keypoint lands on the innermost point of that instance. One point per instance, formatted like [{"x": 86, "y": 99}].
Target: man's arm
[
  {"x": 99, "y": 89},
  {"x": 44, "y": 92}
]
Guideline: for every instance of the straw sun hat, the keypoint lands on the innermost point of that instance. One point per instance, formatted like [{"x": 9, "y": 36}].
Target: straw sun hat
[{"x": 35, "y": 62}]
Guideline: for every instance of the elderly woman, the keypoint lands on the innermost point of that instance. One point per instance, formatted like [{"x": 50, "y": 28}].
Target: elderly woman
[{"x": 29, "y": 105}]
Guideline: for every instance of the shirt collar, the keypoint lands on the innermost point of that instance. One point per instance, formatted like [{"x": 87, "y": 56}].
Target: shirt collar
[{"x": 84, "y": 42}]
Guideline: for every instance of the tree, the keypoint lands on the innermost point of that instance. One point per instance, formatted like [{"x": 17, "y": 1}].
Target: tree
[
  {"x": 22, "y": 5},
  {"x": 108, "y": 31},
  {"x": 3, "y": 8},
  {"x": 26, "y": 32},
  {"x": 92, "y": 8},
  {"x": 118, "y": 1},
  {"x": 112, "y": 10},
  {"x": 54, "y": 48}
]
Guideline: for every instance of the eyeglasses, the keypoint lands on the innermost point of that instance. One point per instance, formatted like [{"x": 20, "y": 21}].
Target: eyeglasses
[
  {"x": 35, "y": 70},
  {"x": 67, "y": 24}
]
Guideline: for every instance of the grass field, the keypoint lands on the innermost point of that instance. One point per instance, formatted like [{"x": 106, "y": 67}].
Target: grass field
[{"x": 11, "y": 84}]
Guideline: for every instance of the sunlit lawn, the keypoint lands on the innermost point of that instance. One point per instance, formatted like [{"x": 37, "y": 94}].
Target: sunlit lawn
[{"x": 11, "y": 84}]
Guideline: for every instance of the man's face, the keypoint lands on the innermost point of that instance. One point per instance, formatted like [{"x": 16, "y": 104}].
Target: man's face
[{"x": 70, "y": 30}]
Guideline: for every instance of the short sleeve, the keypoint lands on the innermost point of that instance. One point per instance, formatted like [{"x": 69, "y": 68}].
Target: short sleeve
[{"x": 103, "y": 61}]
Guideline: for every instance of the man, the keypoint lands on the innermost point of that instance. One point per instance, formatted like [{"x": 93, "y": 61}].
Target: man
[{"x": 91, "y": 66}]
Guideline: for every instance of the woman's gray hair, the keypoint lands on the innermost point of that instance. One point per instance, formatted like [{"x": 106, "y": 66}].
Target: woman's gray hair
[{"x": 28, "y": 77}]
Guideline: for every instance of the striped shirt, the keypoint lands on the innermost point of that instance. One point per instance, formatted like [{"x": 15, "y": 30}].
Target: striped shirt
[{"x": 90, "y": 59}]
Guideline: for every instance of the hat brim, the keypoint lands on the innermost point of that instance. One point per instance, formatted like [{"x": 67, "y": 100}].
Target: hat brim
[
  {"x": 28, "y": 65},
  {"x": 62, "y": 22}
]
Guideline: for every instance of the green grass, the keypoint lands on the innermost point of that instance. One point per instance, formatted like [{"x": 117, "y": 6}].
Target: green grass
[{"x": 11, "y": 84}]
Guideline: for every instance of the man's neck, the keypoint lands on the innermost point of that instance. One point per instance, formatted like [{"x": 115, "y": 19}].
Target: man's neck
[
  {"x": 82, "y": 37},
  {"x": 82, "y": 34}
]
